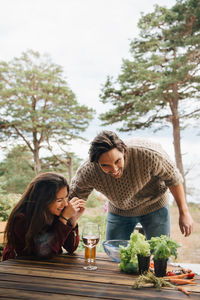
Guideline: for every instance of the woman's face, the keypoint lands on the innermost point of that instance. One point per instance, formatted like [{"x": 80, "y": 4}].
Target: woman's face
[{"x": 56, "y": 207}]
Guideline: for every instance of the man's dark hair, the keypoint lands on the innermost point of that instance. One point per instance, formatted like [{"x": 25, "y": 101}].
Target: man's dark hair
[{"x": 103, "y": 142}]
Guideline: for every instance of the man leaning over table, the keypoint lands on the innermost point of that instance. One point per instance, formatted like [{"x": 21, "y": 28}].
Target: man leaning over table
[{"x": 135, "y": 176}]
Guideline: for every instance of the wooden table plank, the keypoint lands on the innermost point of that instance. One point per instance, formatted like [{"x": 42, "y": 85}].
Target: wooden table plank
[
  {"x": 7, "y": 294},
  {"x": 63, "y": 277},
  {"x": 52, "y": 269},
  {"x": 72, "y": 275},
  {"x": 85, "y": 289}
]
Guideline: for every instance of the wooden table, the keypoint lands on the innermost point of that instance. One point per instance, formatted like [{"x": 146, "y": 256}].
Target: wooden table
[{"x": 63, "y": 278}]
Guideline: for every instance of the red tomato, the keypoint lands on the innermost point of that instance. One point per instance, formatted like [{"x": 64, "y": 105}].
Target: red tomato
[
  {"x": 170, "y": 273},
  {"x": 190, "y": 275}
]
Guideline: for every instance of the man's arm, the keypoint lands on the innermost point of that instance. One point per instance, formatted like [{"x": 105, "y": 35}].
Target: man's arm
[
  {"x": 81, "y": 186},
  {"x": 185, "y": 219}
]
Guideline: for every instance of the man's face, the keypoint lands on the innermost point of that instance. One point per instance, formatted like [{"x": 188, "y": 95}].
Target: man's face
[{"x": 112, "y": 162}]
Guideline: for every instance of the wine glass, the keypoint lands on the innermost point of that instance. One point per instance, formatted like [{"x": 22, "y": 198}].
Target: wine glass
[{"x": 90, "y": 237}]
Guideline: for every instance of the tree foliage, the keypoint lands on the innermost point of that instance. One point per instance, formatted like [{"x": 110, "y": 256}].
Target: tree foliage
[
  {"x": 7, "y": 202},
  {"x": 36, "y": 104},
  {"x": 159, "y": 85},
  {"x": 66, "y": 163},
  {"x": 17, "y": 169}
]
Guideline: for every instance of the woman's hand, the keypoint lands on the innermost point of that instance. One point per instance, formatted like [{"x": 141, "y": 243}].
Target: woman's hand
[
  {"x": 79, "y": 205},
  {"x": 74, "y": 210}
]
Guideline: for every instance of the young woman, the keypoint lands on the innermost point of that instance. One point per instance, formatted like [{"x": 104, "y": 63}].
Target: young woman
[{"x": 44, "y": 220}]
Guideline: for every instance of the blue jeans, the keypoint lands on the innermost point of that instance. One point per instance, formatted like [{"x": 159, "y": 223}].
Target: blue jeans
[{"x": 154, "y": 224}]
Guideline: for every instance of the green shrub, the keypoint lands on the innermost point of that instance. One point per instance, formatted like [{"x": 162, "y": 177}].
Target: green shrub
[
  {"x": 93, "y": 200},
  {"x": 7, "y": 202}
]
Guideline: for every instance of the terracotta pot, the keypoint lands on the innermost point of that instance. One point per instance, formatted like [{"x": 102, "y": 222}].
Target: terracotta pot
[{"x": 143, "y": 263}]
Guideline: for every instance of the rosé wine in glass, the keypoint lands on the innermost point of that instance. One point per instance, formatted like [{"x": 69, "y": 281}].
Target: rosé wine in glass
[{"x": 90, "y": 237}]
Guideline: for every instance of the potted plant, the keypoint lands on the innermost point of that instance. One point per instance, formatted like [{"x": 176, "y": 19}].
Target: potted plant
[
  {"x": 162, "y": 248},
  {"x": 136, "y": 255},
  {"x": 141, "y": 249}
]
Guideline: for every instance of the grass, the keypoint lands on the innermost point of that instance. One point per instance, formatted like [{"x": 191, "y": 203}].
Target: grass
[{"x": 189, "y": 252}]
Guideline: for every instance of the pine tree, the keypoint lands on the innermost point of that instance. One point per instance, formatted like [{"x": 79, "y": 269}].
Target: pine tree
[
  {"x": 36, "y": 104},
  {"x": 159, "y": 85}
]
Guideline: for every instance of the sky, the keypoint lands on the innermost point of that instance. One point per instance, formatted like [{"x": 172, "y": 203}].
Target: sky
[{"x": 89, "y": 39}]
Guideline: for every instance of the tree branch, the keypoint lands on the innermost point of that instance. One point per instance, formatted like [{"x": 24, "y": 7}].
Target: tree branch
[{"x": 25, "y": 140}]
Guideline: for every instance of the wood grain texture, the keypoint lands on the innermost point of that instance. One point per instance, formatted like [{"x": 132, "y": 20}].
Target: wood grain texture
[{"x": 63, "y": 277}]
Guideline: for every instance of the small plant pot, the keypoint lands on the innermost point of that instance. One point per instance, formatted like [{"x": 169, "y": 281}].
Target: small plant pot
[
  {"x": 160, "y": 267},
  {"x": 143, "y": 263}
]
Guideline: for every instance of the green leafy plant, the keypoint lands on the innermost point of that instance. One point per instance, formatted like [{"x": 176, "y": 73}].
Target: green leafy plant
[
  {"x": 163, "y": 247},
  {"x": 128, "y": 262},
  {"x": 140, "y": 246},
  {"x": 128, "y": 255}
]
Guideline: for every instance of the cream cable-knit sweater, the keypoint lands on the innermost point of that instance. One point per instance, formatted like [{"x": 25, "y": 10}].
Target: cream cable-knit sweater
[{"x": 143, "y": 186}]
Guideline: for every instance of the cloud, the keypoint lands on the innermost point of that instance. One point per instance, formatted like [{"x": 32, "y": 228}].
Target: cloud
[{"x": 88, "y": 38}]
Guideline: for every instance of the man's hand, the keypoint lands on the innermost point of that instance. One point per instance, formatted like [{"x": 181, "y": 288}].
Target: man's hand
[
  {"x": 185, "y": 219},
  {"x": 186, "y": 223}
]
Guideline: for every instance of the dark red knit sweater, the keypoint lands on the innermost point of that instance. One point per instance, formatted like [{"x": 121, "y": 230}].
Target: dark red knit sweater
[{"x": 47, "y": 244}]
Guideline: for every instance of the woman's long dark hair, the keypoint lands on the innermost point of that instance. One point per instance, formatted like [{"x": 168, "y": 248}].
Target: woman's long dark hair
[{"x": 34, "y": 205}]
